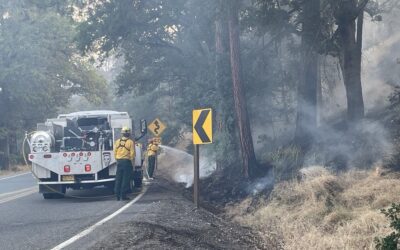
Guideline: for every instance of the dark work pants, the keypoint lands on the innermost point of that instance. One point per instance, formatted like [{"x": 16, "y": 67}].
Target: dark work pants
[
  {"x": 124, "y": 176},
  {"x": 152, "y": 164}
]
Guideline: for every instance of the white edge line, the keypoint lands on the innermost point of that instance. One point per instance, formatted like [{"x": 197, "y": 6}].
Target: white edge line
[
  {"x": 17, "y": 191},
  {"x": 94, "y": 226},
  {"x": 7, "y": 199},
  {"x": 13, "y": 176}
]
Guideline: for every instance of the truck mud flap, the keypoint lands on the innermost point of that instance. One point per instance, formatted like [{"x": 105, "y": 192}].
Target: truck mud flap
[{"x": 50, "y": 188}]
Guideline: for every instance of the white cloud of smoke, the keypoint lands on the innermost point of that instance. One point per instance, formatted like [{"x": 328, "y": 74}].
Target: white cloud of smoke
[{"x": 177, "y": 165}]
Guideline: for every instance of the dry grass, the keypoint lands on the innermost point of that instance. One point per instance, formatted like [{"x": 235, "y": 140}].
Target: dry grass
[
  {"x": 15, "y": 169},
  {"x": 323, "y": 210}
]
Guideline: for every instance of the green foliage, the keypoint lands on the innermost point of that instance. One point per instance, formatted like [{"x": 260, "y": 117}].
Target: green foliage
[
  {"x": 391, "y": 241},
  {"x": 39, "y": 66},
  {"x": 285, "y": 161}
]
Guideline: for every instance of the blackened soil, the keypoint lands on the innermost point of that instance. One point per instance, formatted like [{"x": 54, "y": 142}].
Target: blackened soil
[{"x": 167, "y": 220}]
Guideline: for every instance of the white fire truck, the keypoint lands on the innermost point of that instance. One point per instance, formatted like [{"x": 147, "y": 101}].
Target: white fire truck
[{"x": 75, "y": 151}]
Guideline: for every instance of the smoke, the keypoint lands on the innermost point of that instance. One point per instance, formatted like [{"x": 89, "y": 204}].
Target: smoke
[
  {"x": 177, "y": 165},
  {"x": 260, "y": 185},
  {"x": 361, "y": 146}
]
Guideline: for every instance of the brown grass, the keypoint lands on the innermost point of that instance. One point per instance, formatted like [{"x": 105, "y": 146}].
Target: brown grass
[
  {"x": 323, "y": 210},
  {"x": 14, "y": 170}
]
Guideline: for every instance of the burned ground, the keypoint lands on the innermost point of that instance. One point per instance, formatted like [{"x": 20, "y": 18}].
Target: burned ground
[{"x": 170, "y": 221}]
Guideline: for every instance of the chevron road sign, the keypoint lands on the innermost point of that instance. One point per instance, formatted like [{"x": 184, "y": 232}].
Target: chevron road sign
[
  {"x": 202, "y": 126},
  {"x": 202, "y": 134}
]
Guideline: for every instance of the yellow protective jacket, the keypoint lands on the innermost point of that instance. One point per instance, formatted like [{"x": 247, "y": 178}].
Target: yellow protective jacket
[
  {"x": 152, "y": 149},
  {"x": 124, "y": 148}
]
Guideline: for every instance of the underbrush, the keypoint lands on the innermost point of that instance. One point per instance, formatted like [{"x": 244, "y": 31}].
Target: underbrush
[
  {"x": 14, "y": 169},
  {"x": 322, "y": 210}
]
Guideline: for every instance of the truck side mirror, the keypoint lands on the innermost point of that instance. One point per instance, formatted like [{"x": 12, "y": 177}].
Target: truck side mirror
[
  {"x": 143, "y": 129},
  {"x": 143, "y": 126}
]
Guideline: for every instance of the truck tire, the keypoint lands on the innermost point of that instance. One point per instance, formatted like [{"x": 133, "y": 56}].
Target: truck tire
[
  {"x": 54, "y": 195},
  {"x": 48, "y": 196},
  {"x": 110, "y": 186},
  {"x": 138, "y": 182},
  {"x": 130, "y": 189}
]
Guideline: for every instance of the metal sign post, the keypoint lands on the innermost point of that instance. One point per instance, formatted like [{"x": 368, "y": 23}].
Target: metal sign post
[
  {"x": 196, "y": 175},
  {"x": 202, "y": 134}
]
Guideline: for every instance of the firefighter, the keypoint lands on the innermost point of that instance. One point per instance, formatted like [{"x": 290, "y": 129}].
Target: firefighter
[
  {"x": 152, "y": 149},
  {"x": 124, "y": 151}
]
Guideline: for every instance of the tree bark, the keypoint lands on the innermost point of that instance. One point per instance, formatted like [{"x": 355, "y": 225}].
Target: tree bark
[
  {"x": 246, "y": 141},
  {"x": 351, "y": 53},
  {"x": 226, "y": 154},
  {"x": 306, "y": 122}
]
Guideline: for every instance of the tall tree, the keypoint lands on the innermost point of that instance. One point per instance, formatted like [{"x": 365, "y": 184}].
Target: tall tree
[
  {"x": 349, "y": 37},
  {"x": 306, "y": 123},
  {"x": 246, "y": 140},
  {"x": 225, "y": 134},
  {"x": 39, "y": 66}
]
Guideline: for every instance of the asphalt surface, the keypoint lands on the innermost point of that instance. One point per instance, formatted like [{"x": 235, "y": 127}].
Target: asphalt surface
[
  {"x": 27, "y": 221},
  {"x": 10, "y": 183},
  {"x": 160, "y": 219}
]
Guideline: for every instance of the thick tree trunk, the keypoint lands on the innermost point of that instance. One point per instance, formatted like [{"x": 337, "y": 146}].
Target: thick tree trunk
[
  {"x": 351, "y": 52},
  {"x": 245, "y": 137},
  {"x": 306, "y": 122},
  {"x": 226, "y": 155}
]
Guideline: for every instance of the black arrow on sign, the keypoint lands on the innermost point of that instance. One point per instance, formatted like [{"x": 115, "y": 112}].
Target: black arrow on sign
[{"x": 199, "y": 126}]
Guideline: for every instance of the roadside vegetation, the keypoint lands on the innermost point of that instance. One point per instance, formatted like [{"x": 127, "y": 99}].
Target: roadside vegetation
[
  {"x": 306, "y": 99},
  {"x": 323, "y": 209}
]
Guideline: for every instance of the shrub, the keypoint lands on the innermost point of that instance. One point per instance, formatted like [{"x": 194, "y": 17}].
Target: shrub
[{"x": 391, "y": 241}]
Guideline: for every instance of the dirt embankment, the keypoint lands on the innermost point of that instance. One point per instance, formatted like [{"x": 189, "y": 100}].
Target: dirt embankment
[
  {"x": 322, "y": 210},
  {"x": 171, "y": 222}
]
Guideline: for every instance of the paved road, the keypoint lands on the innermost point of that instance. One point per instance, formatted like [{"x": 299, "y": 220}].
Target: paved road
[
  {"x": 27, "y": 221},
  {"x": 21, "y": 181}
]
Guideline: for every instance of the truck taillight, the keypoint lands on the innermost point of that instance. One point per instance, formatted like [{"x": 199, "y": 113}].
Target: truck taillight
[
  {"x": 88, "y": 168},
  {"x": 81, "y": 154},
  {"x": 65, "y": 154},
  {"x": 73, "y": 154},
  {"x": 31, "y": 157},
  {"x": 67, "y": 169},
  {"x": 89, "y": 154}
]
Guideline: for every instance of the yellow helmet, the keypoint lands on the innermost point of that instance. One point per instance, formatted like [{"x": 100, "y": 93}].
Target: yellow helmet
[{"x": 126, "y": 130}]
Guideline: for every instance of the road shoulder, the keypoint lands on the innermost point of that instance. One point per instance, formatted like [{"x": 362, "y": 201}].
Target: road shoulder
[{"x": 166, "y": 220}]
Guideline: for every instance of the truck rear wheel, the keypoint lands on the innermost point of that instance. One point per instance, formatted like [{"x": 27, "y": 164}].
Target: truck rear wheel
[
  {"x": 111, "y": 186},
  {"x": 54, "y": 195},
  {"x": 138, "y": 182},
  {"x": 48, "y": 196}
]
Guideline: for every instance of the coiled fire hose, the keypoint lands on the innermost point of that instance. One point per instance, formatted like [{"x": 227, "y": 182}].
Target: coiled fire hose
[{"x": 52, "y": 189}]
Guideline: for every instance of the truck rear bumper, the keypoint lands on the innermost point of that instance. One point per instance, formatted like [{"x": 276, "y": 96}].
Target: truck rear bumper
[{"x": 75, "y": 182}]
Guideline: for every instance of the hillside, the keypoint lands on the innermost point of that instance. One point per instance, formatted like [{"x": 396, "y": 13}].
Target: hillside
[{"x": 322, "y": 210}]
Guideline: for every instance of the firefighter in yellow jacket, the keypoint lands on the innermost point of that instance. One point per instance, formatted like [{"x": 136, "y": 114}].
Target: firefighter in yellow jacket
[
  {"x": 152, "y": 149},
  {"x": 124, "y": 152}
]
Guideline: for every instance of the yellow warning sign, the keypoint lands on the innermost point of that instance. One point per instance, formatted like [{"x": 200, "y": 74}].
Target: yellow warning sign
[
  {"x": 202, "y": 126},
  {"x": 157, "y": 127}
]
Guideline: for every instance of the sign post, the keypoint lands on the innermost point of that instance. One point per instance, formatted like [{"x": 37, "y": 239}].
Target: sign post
[
  {"x": 196, "y": 175},
  {"x": 156, "y": 127},
  {"x": 202, "y": 134}
]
